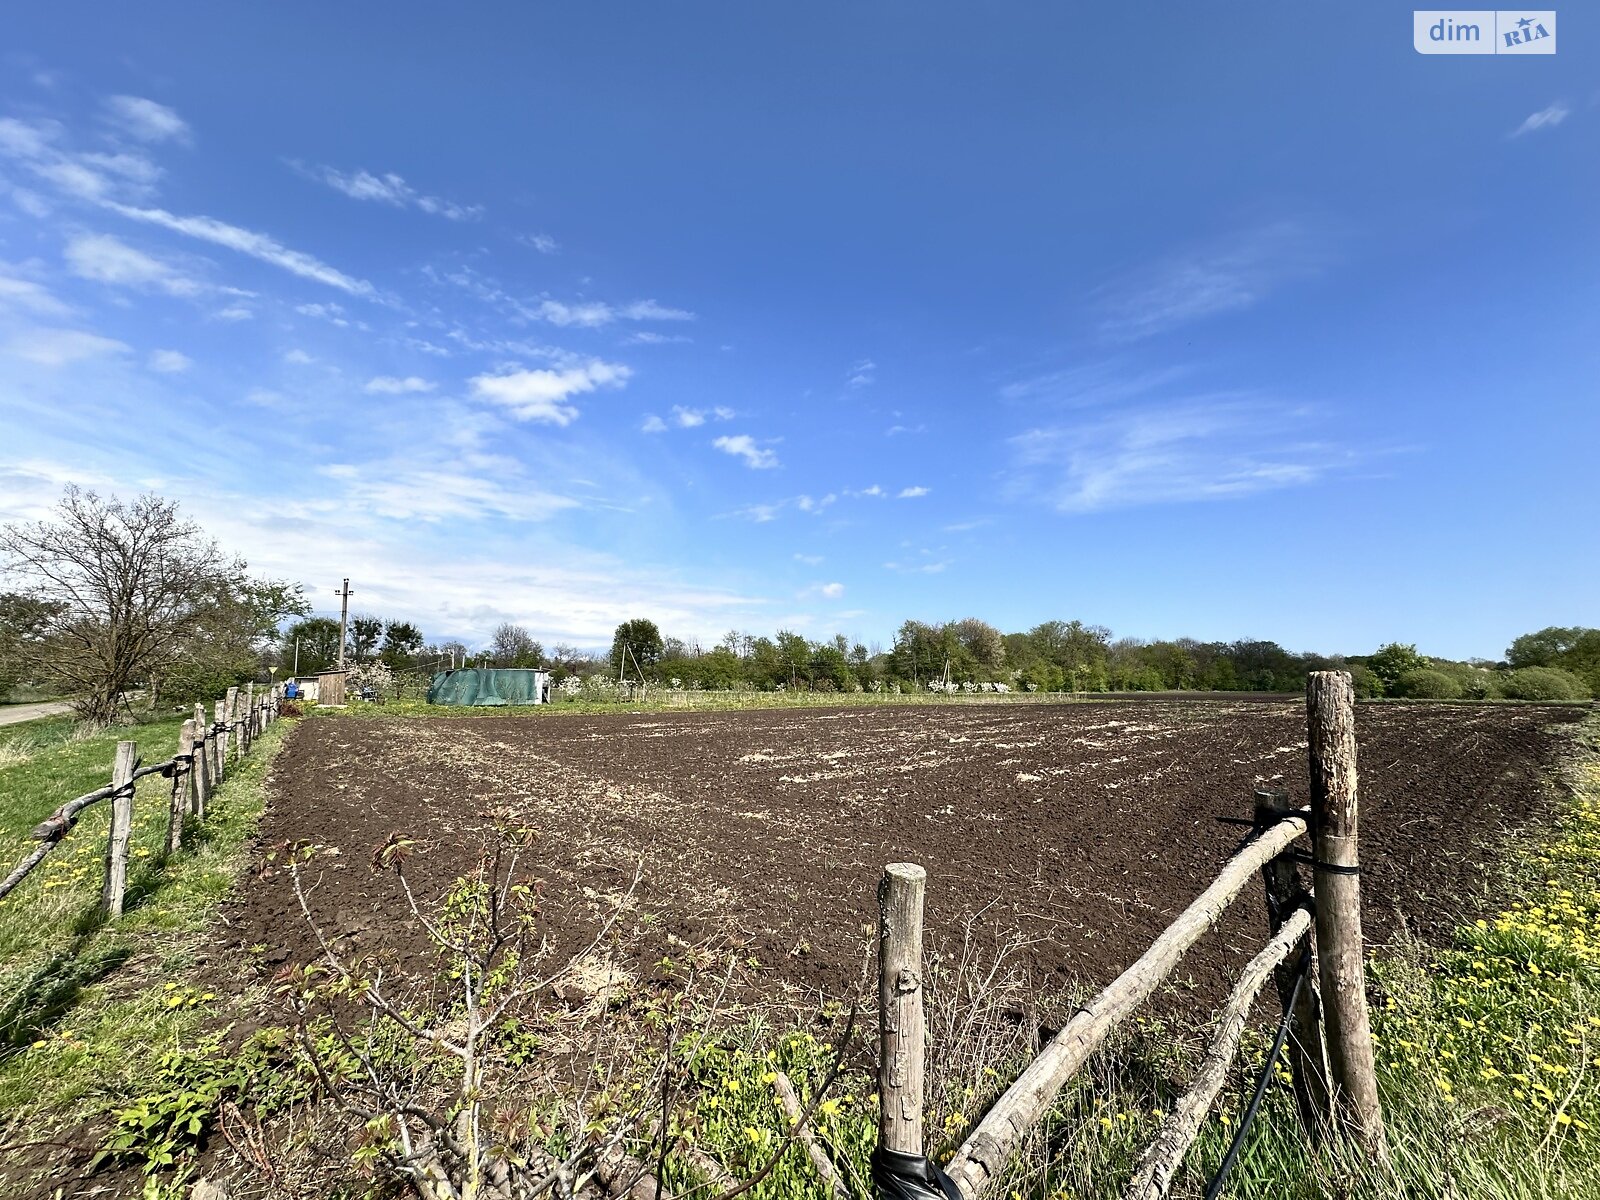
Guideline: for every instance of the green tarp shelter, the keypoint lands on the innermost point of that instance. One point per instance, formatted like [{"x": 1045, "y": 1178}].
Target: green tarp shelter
[{"x": 487, "y": 686}]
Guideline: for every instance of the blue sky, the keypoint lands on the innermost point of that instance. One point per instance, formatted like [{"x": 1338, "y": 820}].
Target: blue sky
[{"x": 1217, "y": 320}]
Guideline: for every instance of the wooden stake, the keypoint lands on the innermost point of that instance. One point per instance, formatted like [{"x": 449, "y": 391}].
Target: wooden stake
[
  {"x": 1307, "y": 1061},
  {"x": 248, "y": 715},
  {"x": 983, "y": 1156},
  {"x": 1331, "y": 723},
  {"x": 201, "y": 788},
  {"x": 820, "y": 1162},
  {"x": 219, "y": 745},
  {"x": 116, "y": 886},
  {"x": 180, "y": 788},
  {"x": 901, "y": 1021},
  {"x": 1163, "y": 1157},
  {"x": 231, "y": 734}
]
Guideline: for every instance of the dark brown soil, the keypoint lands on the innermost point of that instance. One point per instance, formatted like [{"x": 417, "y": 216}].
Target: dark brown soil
[{"x": 1085, "y": 826}]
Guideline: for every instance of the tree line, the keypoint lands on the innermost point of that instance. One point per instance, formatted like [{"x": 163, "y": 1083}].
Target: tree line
[{"x": 117, "y": 603}]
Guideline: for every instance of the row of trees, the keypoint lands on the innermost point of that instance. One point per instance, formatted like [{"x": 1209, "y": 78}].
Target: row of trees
[{"x": 117, "y": 598}]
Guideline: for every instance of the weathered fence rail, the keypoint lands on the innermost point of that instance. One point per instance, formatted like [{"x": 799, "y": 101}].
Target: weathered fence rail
[
  {"x": 1331, "y": 1060},
  {"x": 196, "y": 769}
]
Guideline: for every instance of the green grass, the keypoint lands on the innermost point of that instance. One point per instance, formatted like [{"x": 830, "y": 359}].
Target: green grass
[{"x": 87, "y": 1006}]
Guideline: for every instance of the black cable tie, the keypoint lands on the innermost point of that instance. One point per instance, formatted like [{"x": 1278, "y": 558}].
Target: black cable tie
[{"x": 1316, "y": 864}]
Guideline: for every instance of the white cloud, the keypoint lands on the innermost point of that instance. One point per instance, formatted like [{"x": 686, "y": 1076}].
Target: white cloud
[
  {"x": 24, "y": 294},
  {"x": 542, "y": 242},
  {"x": 390, "y": 189},
  {"x": 255, "y": 245},
  {"x": 1227, "y": 275},
  {"x": 169, "y": 362},
  {"x": 1205, "y": 448},
  {"x": 146, "y": 120},
  {"x": 863, "y": 373},
  {"x": 106, "y": 259},
  {"x": 744, "y": 446},
  {"x": 1545, "y": 118},
  {"x": 926, "y": 568},
  {"x": 390, "y": 385},
  {"x": 653, "y": 424},
  {"x": 649, "y": 337},
  {"x": 831, "y": 590},
  {"x": 57, "y": 347},
  {"x": 649, "y": 310},
  {"x": 298, "y": 358},
  {"x": 539, "y": 395},
  {"x": 235, "y": 312},
  {"x": 30, "y": 202},
  {"x": 691, "y": 418},
  {"x": 911, "y": 493},
  {"x": 590, "y": 314},
  {"x": 811, "y": 560}
]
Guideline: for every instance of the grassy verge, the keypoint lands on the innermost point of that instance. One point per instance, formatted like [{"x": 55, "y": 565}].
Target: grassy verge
[{"x": 87, "y": 1007}]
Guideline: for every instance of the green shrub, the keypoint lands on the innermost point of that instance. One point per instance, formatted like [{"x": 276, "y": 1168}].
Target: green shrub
[
  {"x": 1544, "y": 683},
  {"x": 1426, "y": 683},
  {"x": 1367, "y": 683}
]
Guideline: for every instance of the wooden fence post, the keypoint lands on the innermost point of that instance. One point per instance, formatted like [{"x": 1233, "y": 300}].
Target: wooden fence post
[
  {"x": 219, "y": 743},
  {"x": 181, "y": 771},
  {"x": 1331, "y": 724},
  {"x": 116, "y": 885},
  {"x": 247, "y": 717},
  {"x": 202, "y": 762},
  {"x": 231, "y": 715},
  {"x": 1285, "y": 895},
  {"x": 901, "y": 1020}
]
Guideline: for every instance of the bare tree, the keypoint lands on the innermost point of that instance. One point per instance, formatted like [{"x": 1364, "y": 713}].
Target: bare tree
[
  {"x": 132, "y": 589},
  {"x": 514, "y": 646}
]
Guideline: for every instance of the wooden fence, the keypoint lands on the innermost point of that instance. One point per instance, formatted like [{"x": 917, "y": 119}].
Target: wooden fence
[
  {"x": 206, "y": 753},
  {"x": 1326, "y": 1028}
]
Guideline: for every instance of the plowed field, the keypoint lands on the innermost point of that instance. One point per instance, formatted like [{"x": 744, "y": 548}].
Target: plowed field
[{"x": 1085, "y": 827}]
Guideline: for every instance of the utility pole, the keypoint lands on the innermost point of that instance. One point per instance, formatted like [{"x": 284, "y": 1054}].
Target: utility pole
[{"x": 344, "y": 618}]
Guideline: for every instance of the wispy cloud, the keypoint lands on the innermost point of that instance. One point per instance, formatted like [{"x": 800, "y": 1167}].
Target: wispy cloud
[
  {"x": 1545, "y": 118},
  {"x": 912, "y": 493},
  {"x": 57, "y": 347},
  {"x": 828, "y": 591},
  {"x": 145, "y": 119},
  {"x": 541, "y": 395},
  {"x": 248, "y": 242},
  {"x": 18, "y": 293},
  {"x": 388, "y": 188},
  {"x": 542, "y": 242},
  {"x": 811, "y": 560},
  {"x": 1226, "y": 275},
  {"x": 1203, "y": 448},
  {"x": 862, "y": 373},
  {"x": 743, "y": 446},
  {"x": 391, "y": 385},
  {"x": 169, "y": 362},
  {"x": 686, "y": 418},
  {"x": 105, "y": 259}
]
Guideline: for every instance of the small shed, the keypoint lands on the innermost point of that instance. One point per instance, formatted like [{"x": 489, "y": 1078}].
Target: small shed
[
  {"x": 490, "y": 686},
  {"x": 330, "y": 687}
]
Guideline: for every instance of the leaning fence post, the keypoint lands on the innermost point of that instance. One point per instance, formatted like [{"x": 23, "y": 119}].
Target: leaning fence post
[
  {"x": 1285, "y": 895},
  {"x": 901, "y": 1023},
  {"x": 1331, "y": 723},
  {"x": 116, "y": 885},
  {"x": 247, "y": 717}
]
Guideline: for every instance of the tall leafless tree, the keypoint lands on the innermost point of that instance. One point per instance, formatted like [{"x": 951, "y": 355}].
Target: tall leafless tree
[{"x": 129, "y": 584}]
